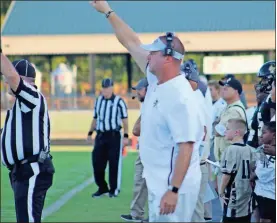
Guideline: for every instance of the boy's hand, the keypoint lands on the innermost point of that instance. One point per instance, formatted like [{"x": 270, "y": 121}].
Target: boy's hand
[
  {"x": 270, "y": 149},
  {"x": 252, "y": 179}
]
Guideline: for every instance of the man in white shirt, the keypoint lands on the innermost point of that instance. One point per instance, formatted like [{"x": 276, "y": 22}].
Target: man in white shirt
[
  {"x": 170, "y": 128},
  {"x": 140, "y": 188},
  {"x": 219, "y": 104},
  {"x": 191, "y": 72}
]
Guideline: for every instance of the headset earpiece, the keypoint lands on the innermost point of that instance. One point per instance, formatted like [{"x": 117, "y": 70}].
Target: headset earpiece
[{"x": 168, "y": 51}]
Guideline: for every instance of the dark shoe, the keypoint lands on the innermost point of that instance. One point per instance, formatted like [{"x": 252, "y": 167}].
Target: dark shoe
[
  {"x": 112, "y": 195},
  {"x": 99, "y": 193},
  {"x": 208, "y": 219},
  {"x": 145, "y": 220},
  {"x": 130, "y": 218}
]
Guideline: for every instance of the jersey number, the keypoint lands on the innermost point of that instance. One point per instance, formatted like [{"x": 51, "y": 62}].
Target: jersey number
[{"x": 245, "y": 169}]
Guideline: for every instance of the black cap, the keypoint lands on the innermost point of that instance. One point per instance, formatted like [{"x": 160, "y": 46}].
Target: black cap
[
  {"x": 24, "y": 68},
  {"x": 107, "y": 82},
  {"x": 227, "y": 76},
  {"x": 233, "y": 83},
  {"x": 143, "y": 83}
]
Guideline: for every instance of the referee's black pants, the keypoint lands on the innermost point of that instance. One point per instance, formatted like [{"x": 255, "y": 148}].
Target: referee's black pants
[
  {"x": 30, "y": 182},
  {"x": 107, "y": 148}
]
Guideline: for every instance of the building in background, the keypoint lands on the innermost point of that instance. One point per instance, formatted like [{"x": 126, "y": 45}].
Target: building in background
[
  {"x": 38, "y": 77},
  {"x": 211, "y": 31}
]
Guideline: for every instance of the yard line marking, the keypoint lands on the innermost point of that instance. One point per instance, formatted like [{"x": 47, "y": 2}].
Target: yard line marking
[{"x": 65, "y": 198}]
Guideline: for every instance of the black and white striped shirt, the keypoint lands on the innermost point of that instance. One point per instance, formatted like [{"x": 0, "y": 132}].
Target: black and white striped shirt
[
  {"x": 109, "y": 113},
  {"x": 27, "y": 126}
]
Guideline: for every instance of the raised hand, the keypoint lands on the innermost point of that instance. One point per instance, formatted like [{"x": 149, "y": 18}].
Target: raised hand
[{"x": 101, "y": 6}]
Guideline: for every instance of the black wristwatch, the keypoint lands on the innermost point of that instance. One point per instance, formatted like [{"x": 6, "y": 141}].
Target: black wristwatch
[
  {"x": 109, "y": 13},
  {"x": 126, "y": 135},
  {"x": 173, "y": 189}
]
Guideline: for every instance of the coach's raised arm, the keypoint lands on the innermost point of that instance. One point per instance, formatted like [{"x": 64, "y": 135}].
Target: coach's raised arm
[{"x": 125, "y": 35}]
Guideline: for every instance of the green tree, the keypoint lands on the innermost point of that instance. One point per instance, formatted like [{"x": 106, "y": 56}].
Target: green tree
[{"x": 4, "y": 8}]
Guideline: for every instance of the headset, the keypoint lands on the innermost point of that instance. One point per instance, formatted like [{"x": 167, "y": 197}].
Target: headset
[
  {"x": 134, "y": 96},
  {"x": 168, "y": 51}
]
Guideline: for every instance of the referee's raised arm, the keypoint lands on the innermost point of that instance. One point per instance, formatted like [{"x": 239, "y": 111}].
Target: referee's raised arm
[
  {"x": 9, "y": 72},
  {"x": 25, "y": 141},
  {"x": 22, "y": 90}
]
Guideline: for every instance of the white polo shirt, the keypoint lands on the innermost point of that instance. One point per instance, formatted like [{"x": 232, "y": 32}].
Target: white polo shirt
[
  {"x": 218, "y": 108},
  {"x": 209, "y": 110},
  {"x": 169, "y": 116},
  {"x": 205, "y": 119}
]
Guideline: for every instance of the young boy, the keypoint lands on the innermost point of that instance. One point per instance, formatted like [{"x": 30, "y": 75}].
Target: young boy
[
  {"x": 265, "y": 175},
  {"x": 235, "y": 189}
]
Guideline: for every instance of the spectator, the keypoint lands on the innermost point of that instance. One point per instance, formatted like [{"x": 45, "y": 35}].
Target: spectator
[
  {"x": 265, "y": 175},
  {"x": 253, "y": 139},
  {"x": 219, "y": 104},
  {"x": 242, "y": 95},
  {"x": 235, "y": 190},
  {"x": 267, "y": 75},
  {"x": 235, "y": 109}
]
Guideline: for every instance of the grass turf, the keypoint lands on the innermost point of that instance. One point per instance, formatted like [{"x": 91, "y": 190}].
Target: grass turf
[
  {"x": 72, "y": 169},
  {"x": 75, "y": 124}
]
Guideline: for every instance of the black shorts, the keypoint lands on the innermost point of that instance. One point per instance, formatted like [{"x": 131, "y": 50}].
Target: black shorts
[
  {"x": 245, "y": 219},
  {"x": 267, "y": 208}
]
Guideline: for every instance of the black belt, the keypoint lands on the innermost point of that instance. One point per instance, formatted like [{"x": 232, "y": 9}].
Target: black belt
[
  {"x": 108, "y": 132},
  {"x": 30, "y": 159}
]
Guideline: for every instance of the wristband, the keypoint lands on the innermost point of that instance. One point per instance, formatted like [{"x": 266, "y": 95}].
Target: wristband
[
  {"x": 90, "y": 133},
  {"x": 126, "y": 135},
  {"x": 109, "y": 13}
]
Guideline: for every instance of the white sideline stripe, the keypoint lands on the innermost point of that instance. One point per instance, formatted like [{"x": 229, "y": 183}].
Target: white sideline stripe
[{"x": 65, "y": 198}]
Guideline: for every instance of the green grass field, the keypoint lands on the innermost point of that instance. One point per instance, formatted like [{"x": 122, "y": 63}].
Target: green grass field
[
  {"x": 72, "y": 169},
  {"x": 74, "y": 124}
]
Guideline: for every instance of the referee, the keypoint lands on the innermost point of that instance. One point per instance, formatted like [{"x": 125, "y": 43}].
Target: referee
[
  {"x": 25, "y": 143},
  {"x": 110, "y": 111}
]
